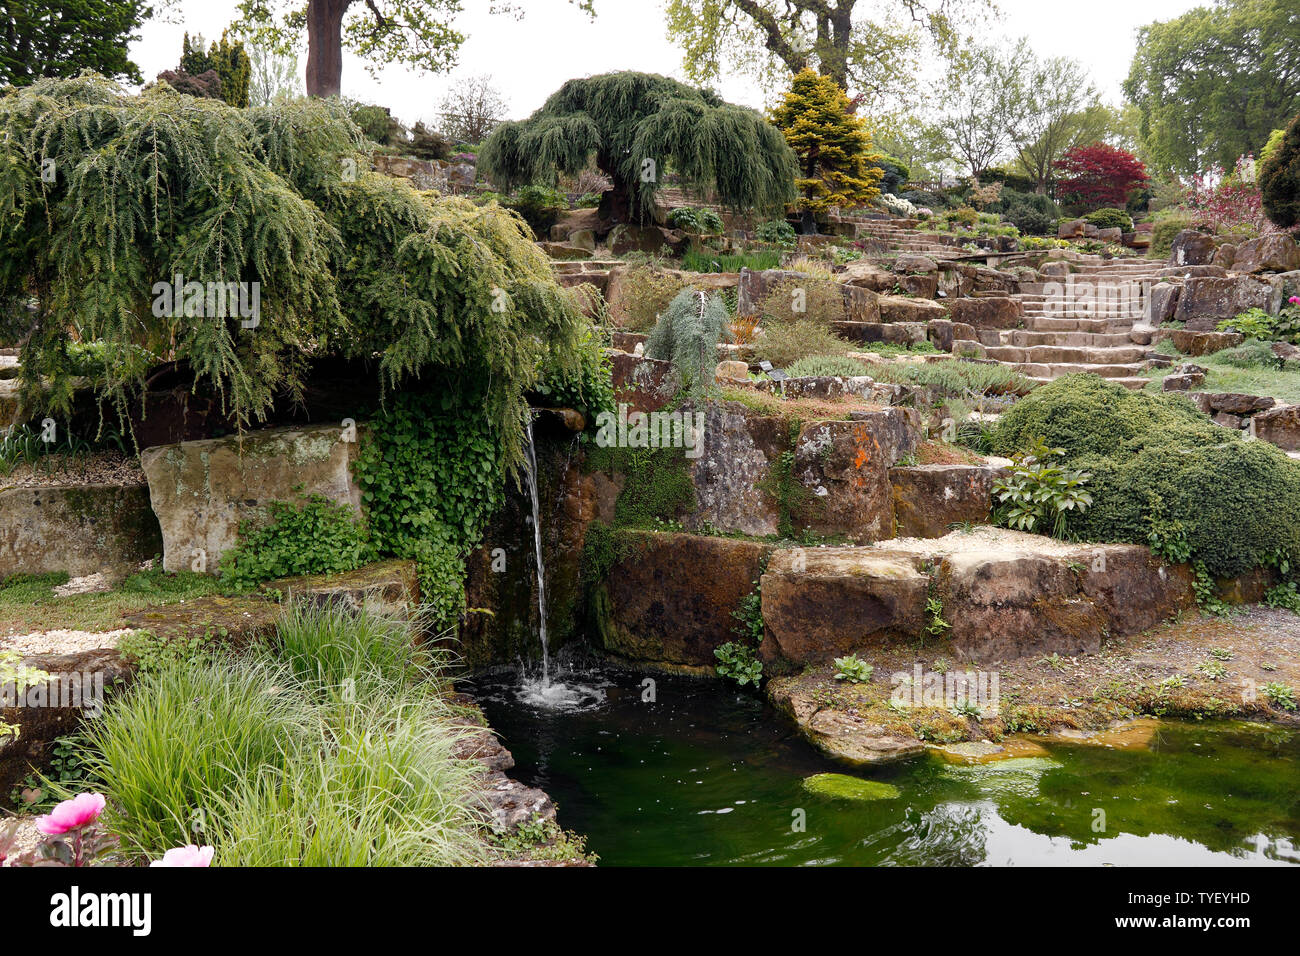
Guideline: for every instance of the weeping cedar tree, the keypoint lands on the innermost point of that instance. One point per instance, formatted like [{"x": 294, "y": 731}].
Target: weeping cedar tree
[
  {"x": 1279, "y": 178},
  {"x": 637, "y": 126},
  {"x": 687, "y": 334},
  {"x": 349, "y": 262}
]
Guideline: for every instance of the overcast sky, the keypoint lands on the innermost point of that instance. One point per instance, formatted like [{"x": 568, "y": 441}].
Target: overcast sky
[{"x": 529, "y": 58}]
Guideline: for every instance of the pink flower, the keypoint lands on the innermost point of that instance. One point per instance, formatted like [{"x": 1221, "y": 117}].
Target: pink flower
[
  {"x": 1294, "y": 300},
  {"x": 186, "y": 856},
  {"x": 71, "y": 814}
]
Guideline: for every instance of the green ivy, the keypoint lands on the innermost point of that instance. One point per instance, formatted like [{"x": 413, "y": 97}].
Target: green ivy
[
  {"x": 318, "y": 537},
  {"x": 432, "y": 472}
]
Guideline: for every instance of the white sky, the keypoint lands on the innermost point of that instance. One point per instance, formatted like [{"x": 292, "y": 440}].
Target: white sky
[{"x": 529, "y": 58}]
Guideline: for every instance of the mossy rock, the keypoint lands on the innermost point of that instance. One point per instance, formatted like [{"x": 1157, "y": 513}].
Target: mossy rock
[{"x": 840, "y": 786}]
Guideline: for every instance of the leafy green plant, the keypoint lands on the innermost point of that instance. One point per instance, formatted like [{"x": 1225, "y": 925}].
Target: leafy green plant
[
  {"x": 749, "y": 615},
  {"x": 695, "y": 220},
  {"x": 431, "y": 471},
  {"x": 1207, "y": 591},
  {"x": 1038, "y": 496},
  {"x": 67, "y": 773},
  {"x": 1213, "y": 670},
  {"x": 776, "y": 231},
  {"x": 1281, "y": 695},
  {"x": 1285, "y": 596},
  {"x": 738, "y": 662},
  {"x": 151, "y": 653},
  {"x": 1110, "y": 218},
  {"x": 853, "y": 669},
  {"x": 935, "y": 624},
  {"x": 317, "y": 537}
]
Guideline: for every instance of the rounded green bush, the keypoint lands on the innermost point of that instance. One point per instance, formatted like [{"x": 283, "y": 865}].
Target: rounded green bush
[
  {"x": 1110, "y": 218},
  {"x": 1279, "y": 178},
  {"x": 1156, "y": 458}
]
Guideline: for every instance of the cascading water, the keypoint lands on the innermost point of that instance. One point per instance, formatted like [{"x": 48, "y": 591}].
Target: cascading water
[
  {"x": 541, "y": 563},
  {"x": 542, "y": 691}
]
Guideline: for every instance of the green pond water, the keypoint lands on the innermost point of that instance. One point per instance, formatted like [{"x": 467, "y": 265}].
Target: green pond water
[{"x": 708, "y": 776}]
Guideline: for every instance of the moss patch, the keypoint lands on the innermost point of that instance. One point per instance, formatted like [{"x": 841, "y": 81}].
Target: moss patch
[{"x": 839, "y": 786}]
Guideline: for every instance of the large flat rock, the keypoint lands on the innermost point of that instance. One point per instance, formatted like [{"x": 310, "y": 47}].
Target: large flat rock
[
  {"x": 1003, "y": 594},
  {"x": 671, "y": 598},
  {"x": 202, "y": 490},
  {"x": 80, "y": 529}
]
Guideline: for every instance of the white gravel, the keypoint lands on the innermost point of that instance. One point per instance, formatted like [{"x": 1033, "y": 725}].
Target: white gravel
[{"x": 62, "y": 641}]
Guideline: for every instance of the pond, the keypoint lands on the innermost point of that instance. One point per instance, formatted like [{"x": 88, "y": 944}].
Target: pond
[{"x": 705, "y": 775}]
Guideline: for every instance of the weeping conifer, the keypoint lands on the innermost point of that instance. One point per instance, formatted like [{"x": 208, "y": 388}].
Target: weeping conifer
[
  {"x": 638, "y": 126},
  {"x": 104, "y": 195},
  {"x": 688, "y": 333}
]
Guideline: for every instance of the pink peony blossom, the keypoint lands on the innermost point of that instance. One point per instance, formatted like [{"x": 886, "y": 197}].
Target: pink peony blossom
[
  {"x": 186, "y": 856},
  {"x": 71, "y": 814}
]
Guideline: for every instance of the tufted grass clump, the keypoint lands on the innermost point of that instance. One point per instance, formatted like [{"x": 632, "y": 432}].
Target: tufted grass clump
[
  {"x": 183, "y": 736},
  {"x": 1156, "y": 464},
  {"x": 331, "y": 746},
  {"x": 388, "y": 792}
]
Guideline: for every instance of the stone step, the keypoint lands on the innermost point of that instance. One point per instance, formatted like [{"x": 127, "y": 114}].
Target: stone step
[
  {"x": 1040, "y": 323},
  {"x": 1023, "y": 338},
  {"x": 1065, "y": 354},
  {"x": 1054, "y": 370},
  {"x": 1134, "y": 383}
]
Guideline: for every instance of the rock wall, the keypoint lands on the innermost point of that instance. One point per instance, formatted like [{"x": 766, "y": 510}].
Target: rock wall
[{"x": 80, "y": 529}]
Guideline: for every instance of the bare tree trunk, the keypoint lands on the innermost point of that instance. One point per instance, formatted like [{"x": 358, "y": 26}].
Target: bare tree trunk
[{"x": 325, "y": 46}]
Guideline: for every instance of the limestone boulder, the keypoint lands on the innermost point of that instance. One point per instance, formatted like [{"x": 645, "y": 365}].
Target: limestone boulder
[
  {"x": 1074, "y": 229},
  {"x": 79, "y": 529},
  {"x": 899, "y": 308},
  {"x": 910, "y": 262},
  {"x": 920, "y": 286},
  {"x": 822, "y": 603},
  {"x": 988, "y": 312},
  {"x": 929, "y": 499},
  {"x": 843, "y": 470},
  {"x": 733, "y": 477},
  {"x": 1162, "y": 302},
  {"x": 1203, "y": 343},
  {"x": 866, "y": 274},
  {"x": 1207, "y": 301},
  {"x": 1274, "y": 253},
  {"x": 1005, "y": 605},
  {"x": 1133, "y": 590},
  {"x": 670, "y": 598},
  {"x": 1192, "y": 247},
  {"x": 201, "y": 491},
  {"x": 1279, "y": 426}
]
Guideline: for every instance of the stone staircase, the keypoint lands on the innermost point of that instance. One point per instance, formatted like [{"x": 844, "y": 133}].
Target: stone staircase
[
  {"x": 1081, "y": 319},
  {"x": 1084, "y": 321},
  {"x": 905, "y": 239}
]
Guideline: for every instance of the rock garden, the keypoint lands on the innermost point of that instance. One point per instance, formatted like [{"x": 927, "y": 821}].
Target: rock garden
[{"x": 646, "y": 434}]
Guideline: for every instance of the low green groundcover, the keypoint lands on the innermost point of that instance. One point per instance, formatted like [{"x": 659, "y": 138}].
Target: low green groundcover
[{"x": 1162, "y": 473}]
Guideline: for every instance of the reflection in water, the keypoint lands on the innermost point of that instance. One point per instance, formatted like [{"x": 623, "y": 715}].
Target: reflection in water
[{"x": 706, "y": 775}]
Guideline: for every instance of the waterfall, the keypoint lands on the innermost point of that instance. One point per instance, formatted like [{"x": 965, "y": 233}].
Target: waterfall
[
  {"x": 542, "y": 692},
  {"x": 531, "y": 471}
]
